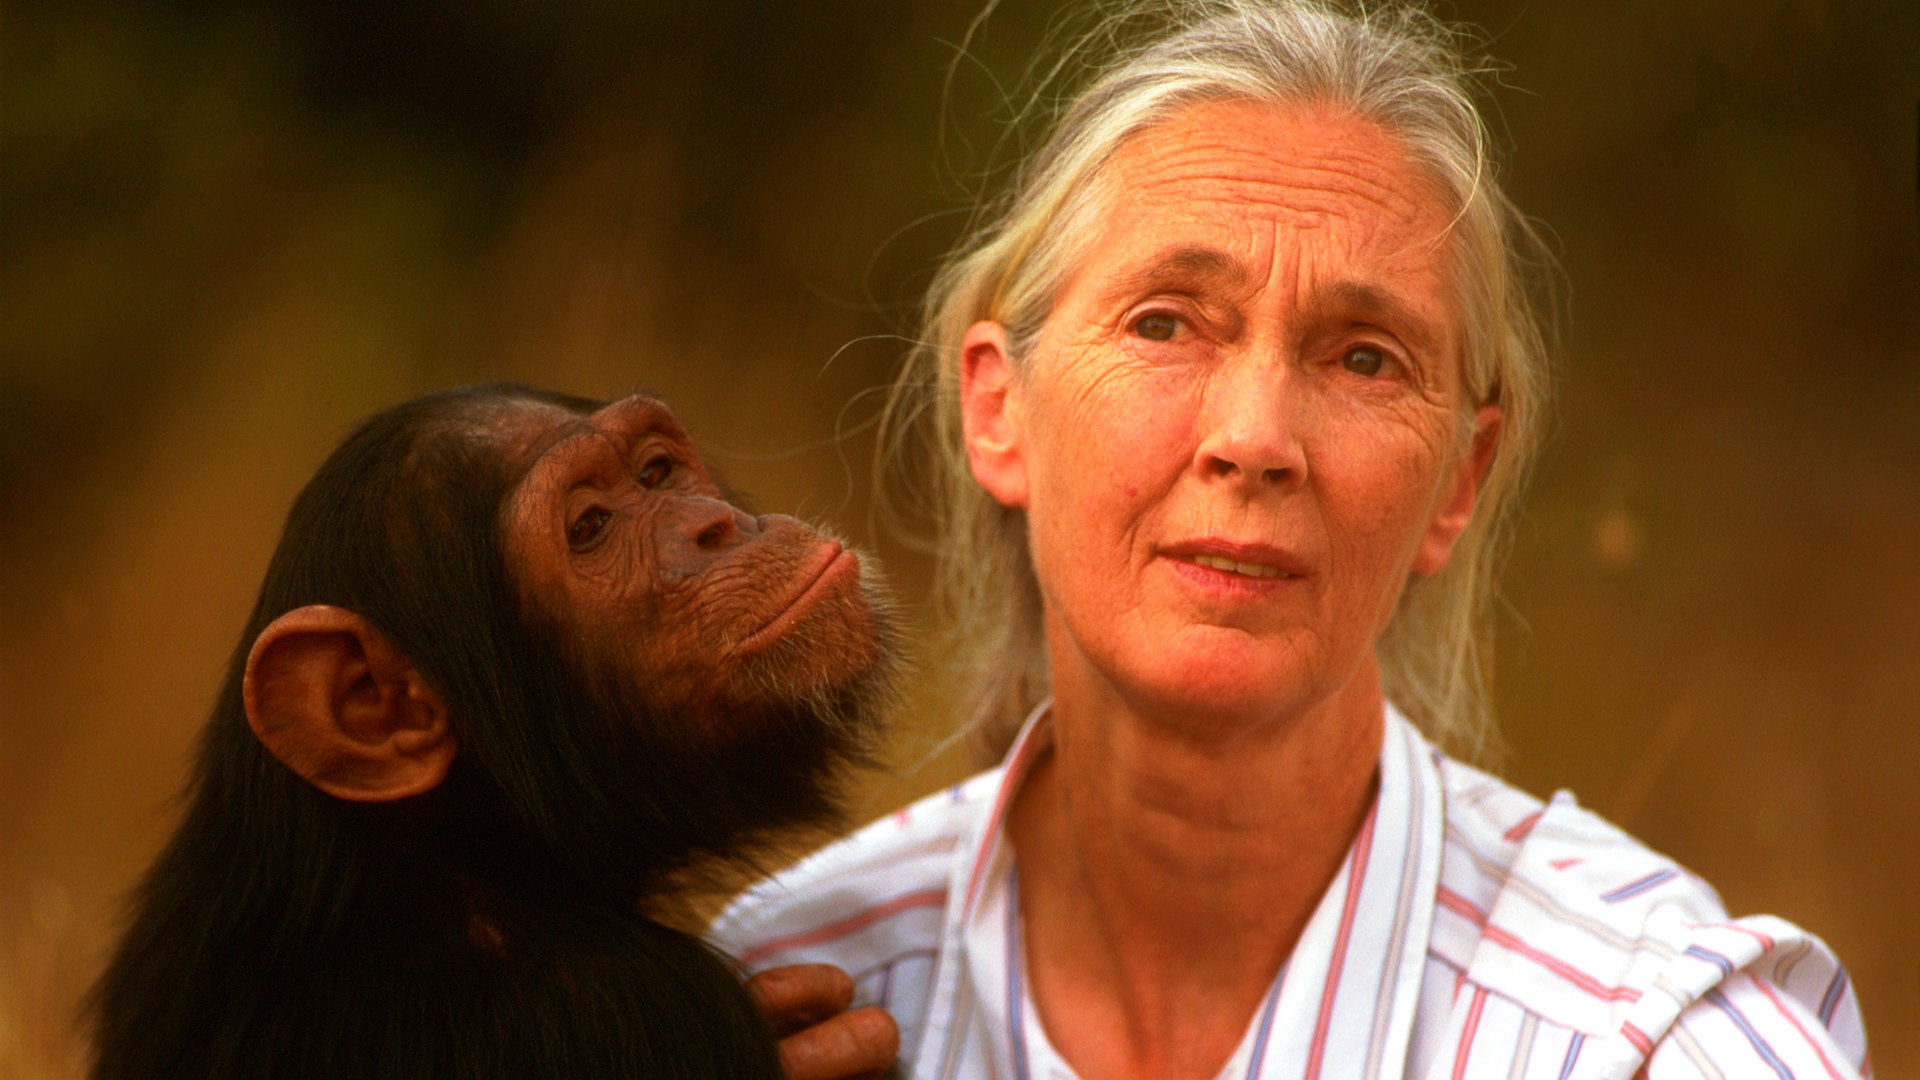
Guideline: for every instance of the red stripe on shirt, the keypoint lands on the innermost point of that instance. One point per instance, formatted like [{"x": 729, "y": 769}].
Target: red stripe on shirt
[
  {"x": 1638, "y": 1038},
  {"x": 1460, "y": 905},
  {"x": 1355, "y": 876},
  {"x": 852, "y": 924},
  {"x": 1795, "y": 1021},
  {"x": 1467, "y": 1032},
  {"x": 991, "y": 834},
  {"x": 1766, "y": 943},
  {"x": 1563, "y": 969},
  {"x": 1524, "y": 826}
]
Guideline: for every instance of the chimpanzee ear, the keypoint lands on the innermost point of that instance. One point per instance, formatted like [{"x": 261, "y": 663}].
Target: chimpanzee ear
[{"x": 331, "y": 697}]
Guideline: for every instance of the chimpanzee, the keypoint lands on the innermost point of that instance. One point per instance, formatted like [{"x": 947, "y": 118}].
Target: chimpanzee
[{"x": 516, "y": 664}]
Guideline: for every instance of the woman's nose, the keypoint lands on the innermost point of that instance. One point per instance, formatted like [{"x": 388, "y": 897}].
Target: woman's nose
[{"x": 1249, "y": 425}]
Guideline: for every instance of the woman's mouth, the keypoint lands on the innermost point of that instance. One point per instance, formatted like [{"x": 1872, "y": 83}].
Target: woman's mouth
[{"x": 1231, "y": 566}]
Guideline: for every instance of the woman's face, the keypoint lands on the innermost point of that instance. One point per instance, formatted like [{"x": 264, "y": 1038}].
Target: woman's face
[{"x": 1240, "y": 431}]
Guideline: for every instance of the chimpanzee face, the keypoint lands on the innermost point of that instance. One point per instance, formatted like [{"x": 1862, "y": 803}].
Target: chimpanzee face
[{"x": 617, "y": 534}]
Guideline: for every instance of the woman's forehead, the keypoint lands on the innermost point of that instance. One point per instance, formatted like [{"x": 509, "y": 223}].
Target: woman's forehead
[
  {"x": 1242, "y": 165},
  {"x": 1238, "y": 198}
]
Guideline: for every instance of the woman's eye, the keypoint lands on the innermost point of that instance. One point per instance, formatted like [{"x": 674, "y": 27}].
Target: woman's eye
[
  {"x": 1364, "y": 361},
  {"x": 587, "y": 528},
  {"x": 1156, "y": 327},
  {"x": 655, "y": 472}
]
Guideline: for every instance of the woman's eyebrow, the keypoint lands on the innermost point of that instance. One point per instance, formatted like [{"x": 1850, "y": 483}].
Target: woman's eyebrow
[
  {"x": 1374, "y": 304},
  {"x": 1186, "y": 264}
]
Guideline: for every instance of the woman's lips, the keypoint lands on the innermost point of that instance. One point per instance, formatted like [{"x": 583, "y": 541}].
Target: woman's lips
[
  {"x": 1254, "y": 561},
  {"x": 1255, "y": 570}
]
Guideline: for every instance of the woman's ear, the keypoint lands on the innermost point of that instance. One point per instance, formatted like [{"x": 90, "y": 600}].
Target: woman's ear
[
  {"x": 990, "y": 414},
  {"x": 1455, "y": 509},
  {"x": 335, "y": 701}
]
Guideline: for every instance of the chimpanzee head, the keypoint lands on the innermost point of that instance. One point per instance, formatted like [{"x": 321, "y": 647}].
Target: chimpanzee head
[{"x": 534, "y": 616}]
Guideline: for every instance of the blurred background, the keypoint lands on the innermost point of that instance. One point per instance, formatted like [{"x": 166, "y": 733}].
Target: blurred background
[{"x": 230, "y": 230}]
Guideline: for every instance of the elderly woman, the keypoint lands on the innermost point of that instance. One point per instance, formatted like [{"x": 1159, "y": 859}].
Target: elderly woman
[{"x": 1235, "y": 387}]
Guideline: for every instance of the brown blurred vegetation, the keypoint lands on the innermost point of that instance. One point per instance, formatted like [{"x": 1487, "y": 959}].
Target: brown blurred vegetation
[{"x": 228, "y": 231}]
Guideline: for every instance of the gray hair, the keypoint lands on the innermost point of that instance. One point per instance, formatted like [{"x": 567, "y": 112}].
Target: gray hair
[{"x": 1397, "y": 67}]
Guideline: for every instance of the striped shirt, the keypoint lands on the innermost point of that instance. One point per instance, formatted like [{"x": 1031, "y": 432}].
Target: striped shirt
[{"x": 1472, "y": 931}]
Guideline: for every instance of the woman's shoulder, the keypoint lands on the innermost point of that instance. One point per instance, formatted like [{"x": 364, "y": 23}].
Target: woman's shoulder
[
  {"x": 870, "y": 895},
  {"x": 1557, "y": 852},
  {"x": 1550, "y": 906}
]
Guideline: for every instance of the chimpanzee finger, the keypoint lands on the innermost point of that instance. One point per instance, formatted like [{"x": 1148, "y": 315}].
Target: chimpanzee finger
[
  {"x": 856, "y": 1044},
  {"x": 800, "y": 995}
]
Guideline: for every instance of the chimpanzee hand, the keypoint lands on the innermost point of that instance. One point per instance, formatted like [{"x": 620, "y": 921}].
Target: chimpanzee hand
[{"x": 819, "y": 1038}]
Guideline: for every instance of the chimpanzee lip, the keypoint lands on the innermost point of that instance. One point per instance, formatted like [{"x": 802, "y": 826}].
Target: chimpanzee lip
[{"x": 834, "y": 556}]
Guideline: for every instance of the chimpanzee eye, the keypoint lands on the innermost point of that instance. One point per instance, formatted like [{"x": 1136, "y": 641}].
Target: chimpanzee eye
[
  {"x": 1364, "y": 361},
  {"x": 587, "y": 527},
  {"x": 655, "y": 472}
]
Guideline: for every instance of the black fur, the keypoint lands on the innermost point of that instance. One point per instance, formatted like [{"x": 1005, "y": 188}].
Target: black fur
[{"x": 488, "y": 928}]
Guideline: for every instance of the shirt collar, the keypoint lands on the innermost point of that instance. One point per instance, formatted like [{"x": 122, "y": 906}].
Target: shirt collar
[{"x": 1342, "y": 1005}]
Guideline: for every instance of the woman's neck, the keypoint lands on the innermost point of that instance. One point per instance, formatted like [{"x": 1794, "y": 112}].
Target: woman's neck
[{"x": 1166, "y": 873}]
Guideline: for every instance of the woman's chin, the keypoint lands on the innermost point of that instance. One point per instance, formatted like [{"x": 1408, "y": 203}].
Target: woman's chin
[
  {"x": 1201, "y": 676},
  {"x": 1224, "y": 677},
  {"x": 1227, "y": 698}
]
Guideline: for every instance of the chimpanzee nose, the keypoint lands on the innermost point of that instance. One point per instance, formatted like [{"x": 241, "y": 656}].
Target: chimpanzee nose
[{"x": 721, "y": 524}]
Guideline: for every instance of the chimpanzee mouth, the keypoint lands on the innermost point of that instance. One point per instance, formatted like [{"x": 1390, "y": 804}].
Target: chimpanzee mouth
[{"x": 837, "y": 562}]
